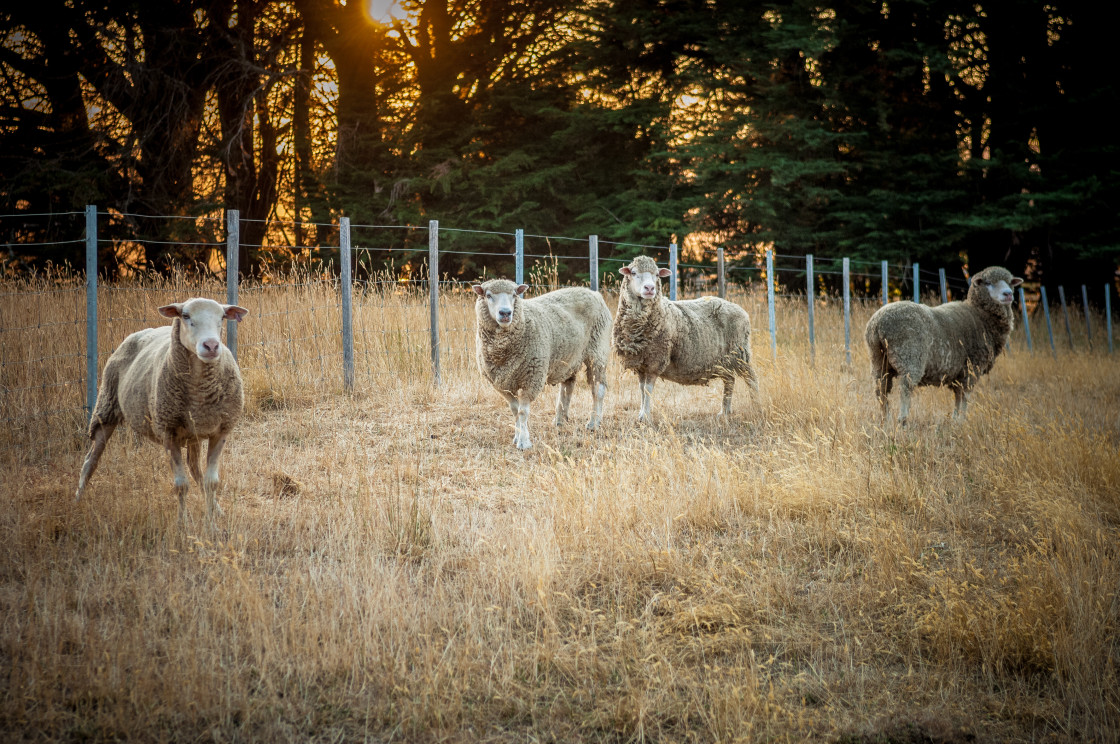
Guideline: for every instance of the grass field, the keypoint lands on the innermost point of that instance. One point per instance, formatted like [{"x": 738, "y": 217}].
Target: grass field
[{"x": 391, "y": 569}]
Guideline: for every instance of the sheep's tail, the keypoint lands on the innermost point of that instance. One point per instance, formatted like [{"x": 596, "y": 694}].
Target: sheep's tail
[
  {"x": 741, "y": 364},
  {"x": 107, "y": 410}
]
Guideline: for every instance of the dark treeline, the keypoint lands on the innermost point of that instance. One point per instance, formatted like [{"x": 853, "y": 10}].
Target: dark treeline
[{"x": 938, "y": 131}]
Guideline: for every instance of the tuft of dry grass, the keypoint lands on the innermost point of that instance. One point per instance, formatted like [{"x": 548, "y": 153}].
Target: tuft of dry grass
[{"x": 389, "y": 567}]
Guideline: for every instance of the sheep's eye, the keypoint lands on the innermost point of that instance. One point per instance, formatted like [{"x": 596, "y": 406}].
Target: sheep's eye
[{"x": 186, "y": 316}]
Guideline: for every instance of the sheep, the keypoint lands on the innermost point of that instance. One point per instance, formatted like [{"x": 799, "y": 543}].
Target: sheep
[
  {"x": 949, "y": 345},
  {"x": 175, "y": 385},
  {"x": 690, "y": 342},
  {"x": 525, "y": 344}
]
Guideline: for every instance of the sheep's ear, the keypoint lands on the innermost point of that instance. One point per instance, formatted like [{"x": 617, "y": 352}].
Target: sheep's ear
[
  {"x": 663, "y": 273},
  {"x": 1016, "y": 282},
  {"x": 173, "y": 310},
  {"x": 521, "y": 289},
  {"x": 234, "y": 312},
  {"x": 626, "y": 270},
  {"x": 478, "y": 290}
]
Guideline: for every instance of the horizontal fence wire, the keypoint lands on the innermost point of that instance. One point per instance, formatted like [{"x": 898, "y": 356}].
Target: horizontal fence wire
[{"x": 290, "y": 344}]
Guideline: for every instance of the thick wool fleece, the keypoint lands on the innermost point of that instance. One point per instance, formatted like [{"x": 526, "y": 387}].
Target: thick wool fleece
[
  {"x": 952, "y": 344},
  {"x": 690, "y": 342},
  {"x": 550, "y": 339},
  {"x": 165, "y": 392}
]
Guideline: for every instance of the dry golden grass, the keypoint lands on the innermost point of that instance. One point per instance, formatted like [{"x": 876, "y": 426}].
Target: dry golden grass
[{"x": 390, "y": 568}]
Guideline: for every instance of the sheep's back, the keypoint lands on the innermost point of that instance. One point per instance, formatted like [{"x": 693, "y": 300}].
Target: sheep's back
[
  {"x": 139, "y": 358},
  {"x": 706, "y": 333},
  {"x": 562, "y": 325},
  {"x": 933, "y": 345}
]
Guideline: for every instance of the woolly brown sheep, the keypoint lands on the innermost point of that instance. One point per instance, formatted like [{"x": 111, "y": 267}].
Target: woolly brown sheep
[
  {"x": 949, "y": 345},
  {"x": 689, "y": 342},
  {"x": 175, "y": 385},
  {"x": 526, "y": 344}
]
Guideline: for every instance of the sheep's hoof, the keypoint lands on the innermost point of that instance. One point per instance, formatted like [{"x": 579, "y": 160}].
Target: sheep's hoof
[
  {"x": 524, "y": 445},
  {"x": 592, "y": 425}
]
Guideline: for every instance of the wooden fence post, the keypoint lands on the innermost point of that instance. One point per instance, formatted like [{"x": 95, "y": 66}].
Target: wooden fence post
[
  {"x": 673, "y": 271},
  {"x": 345, "y": 281},
  {"x": 91, "y": 309},
  {"x": 721, "y": 273},
  {"x": 433, "y": 294},
  {"x": 810, "y": 296},
  {"x": 519, "y": 258},
  {"x": 1049, "y": 327},
  {"x": 1026, "y": 320},
  {"x": 1085, "y": 308},
  {"x": 847, "y": 313},
  {"x": 233, "y": 260},
  {"x": 770, "y": 302},
  {"x": 593, "y": 256}
]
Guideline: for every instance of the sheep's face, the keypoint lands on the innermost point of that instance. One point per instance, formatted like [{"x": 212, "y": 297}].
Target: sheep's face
[
  {"x": 500, "y": 296},
  {"x": 200, "y": 324},
  {"x": 997, "y": 282},
  {"x": 643, "y": 277}
]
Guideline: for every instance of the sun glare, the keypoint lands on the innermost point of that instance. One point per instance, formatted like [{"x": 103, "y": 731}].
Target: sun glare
[{"x": 385, "y": 11}]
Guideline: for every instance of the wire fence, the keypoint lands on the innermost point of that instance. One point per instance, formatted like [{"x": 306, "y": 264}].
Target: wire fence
[{"x": 366, "y": 313}]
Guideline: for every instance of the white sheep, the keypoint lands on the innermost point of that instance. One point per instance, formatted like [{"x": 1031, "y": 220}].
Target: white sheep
[
  {"x": 175, "y": 385},
  {"x": 690, "y": 342},
  {"x": 525, "y": 344},
  {"x": 952, "y": 344}
]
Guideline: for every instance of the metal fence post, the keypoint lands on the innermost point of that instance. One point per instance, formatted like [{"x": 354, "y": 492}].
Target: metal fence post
[
  {"x": 1065, "y": 315},
  {"x": 770, "y": 302},
  {"x": 233, "y": 243},
  {"x": 944, "y": 289},
  {"x": 847, "y": 313},
  {"x": 721, "y": 274},
  {"x": 811, "y": 297},
  {"x": 1108, "y": 313},
  {"x": 1085, "y": 308},
  {"x": 91, "y": 309},
  {"x": 593, "y": 256},
  {"x": 673, "y": 271},
  {"x": 886, "y": 288},
  {"x": 1026, "y": 320},
  {"x": 519, "y": 256},
  {"x": 1049, "y": 327},
  {"x": 917, "y": 295},
  {"x": 346, "y": 283},
  {"x": 433, "y": 294}
]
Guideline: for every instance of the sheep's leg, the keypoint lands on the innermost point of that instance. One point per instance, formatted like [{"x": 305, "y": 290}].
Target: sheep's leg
[
  {"x": 193, "y": 451},
  {"x": 728, "y": 391},
  {"x": 521, "y": 431},
  {"x": 596, "y": 379},
  {"x": 645, "y": 384},
  {"x": 905, "y": 387},
  {"x": 181, "y": 484},
  {"x": 210, "y": 481},
  {"x": 960, "y": 394},
  {"x": 564, "y": 399},
  {"x": 883, "y": 374},
  {"x": 100, "y": 439},
  {"x": 511, "y": 399}
]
